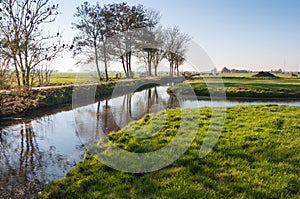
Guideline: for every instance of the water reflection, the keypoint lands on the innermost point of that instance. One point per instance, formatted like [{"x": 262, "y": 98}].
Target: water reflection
[
  {"x": 95, "y": 120},
  {"x": 135, "y": 106},
  {"x": 31, "y": 155}
]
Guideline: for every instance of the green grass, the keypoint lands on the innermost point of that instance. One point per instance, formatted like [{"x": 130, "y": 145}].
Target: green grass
[
  {"x": 287, "y": 75},
  {"x": 244, "y": 86},
  {"x": 71, "y": 78},
  {"x": 63, "y": 78},
  {"x": 257, "y": 156},
  {"x": 67, "y": 79}
]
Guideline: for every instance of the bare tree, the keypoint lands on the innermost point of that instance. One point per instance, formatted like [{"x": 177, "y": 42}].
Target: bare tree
[
  {"x": 148, "y": 40},
  {"x": 111, "y": 32},
  {"x": 176, "y": 46},
  {"x": 43, "y": 74},
  {"x": 22, "y": 39},
  {"x": 179, "y": 60},
  {"x": 96, "y": 25},
  {"x": 5, "y": 72},
  {"x": 88, "y": 40},
  {"x": 107, "y": 30},
  {"x": 159, "y": 54},
  {"x": 147, "y": 48},
  {"x": 128, "y": 19}
]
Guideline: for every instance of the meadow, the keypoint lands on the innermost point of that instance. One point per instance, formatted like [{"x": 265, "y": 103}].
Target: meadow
[
  {"x": 256, "y": 156},
  {"x": 72, "y": 78},
  {"x": 245, "y": 86}
]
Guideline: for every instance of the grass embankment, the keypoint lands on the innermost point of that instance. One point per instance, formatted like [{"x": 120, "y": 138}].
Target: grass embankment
[
  {"x": 257, "y": 156},
  {"x": 20, "y": 102},
  {"x": 246, "y": 87}
]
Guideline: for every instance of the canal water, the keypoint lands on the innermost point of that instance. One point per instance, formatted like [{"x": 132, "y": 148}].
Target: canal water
[{"x": 38, "y": 151}]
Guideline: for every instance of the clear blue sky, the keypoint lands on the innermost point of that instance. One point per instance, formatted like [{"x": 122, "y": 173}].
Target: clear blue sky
[{"x": 246, "y": 34}]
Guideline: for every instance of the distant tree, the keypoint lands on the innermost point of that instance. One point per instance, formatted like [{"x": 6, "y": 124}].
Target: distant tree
[
  {"x": 23, "y": 43},
  {"x": 176, "y": 46},
  {"x": 178, "y": 61},
  {"x": 214, "y": 71},
  {"x": 43, "y": 74},
  {"x": 239, "y": 71},
  {"x": 277, "y": 71}
]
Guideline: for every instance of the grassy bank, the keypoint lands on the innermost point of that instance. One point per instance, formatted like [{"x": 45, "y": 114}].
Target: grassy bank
[
  {"x": 247, "y": 87},
  {"x": 257, "y": 156},
  {"x": 19, "y": 103}
]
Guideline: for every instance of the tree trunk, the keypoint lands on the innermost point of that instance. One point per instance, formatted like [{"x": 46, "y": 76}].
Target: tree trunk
[
  {"x": 17, "y": 74},
  {"x": 149, "y": 69},
  {"x": 97, "y": 61},
  {"x": 106, "y": 72},
  {"x": 129, "y": 65},
  {"x": 155, "y": 70},
  {"x": 171, "y": 69},
  {"x": 124, "y": 67},
  {"x": 177, "y": 67},
  {"x": 105, "y": 61},
  {"x": 149, "y": 64},
  {"x": 27, "y": 78},
  {"x": 23, "y": 78}
]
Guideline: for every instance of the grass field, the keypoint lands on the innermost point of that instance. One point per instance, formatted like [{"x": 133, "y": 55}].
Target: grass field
[
  {"x": 67, "y": 79},
  {"x": 257, "y": 156},
  {"x": 280, "y": 75},
  {"x": 71, "y": 78},
  {"x": 247, "y": 86}
]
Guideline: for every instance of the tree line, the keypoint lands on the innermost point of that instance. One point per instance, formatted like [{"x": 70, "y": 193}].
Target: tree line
[
  {"x": 106, "y": 33},
  {"x": 118, "y": 31}
]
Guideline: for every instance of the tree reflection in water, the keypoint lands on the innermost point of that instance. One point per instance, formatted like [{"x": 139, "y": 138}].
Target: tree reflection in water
[
  {"x": 25, "y": 167},
  {"x": 114, "y": 114}
]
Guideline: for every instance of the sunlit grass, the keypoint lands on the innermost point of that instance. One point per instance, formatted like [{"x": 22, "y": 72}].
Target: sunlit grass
[
  {"x": 257, "y": 156},
  {"x": 76, "y": 78}
]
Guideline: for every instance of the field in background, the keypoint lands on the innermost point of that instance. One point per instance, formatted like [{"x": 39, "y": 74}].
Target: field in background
[
  {"x": 287, "y": 75},
  {"x": 244, "y": 85},
  {"x": 72, "y": 78}
]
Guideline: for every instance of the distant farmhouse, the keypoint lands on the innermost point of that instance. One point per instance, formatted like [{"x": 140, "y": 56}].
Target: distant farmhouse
[{"x": 264, "y": 74}]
